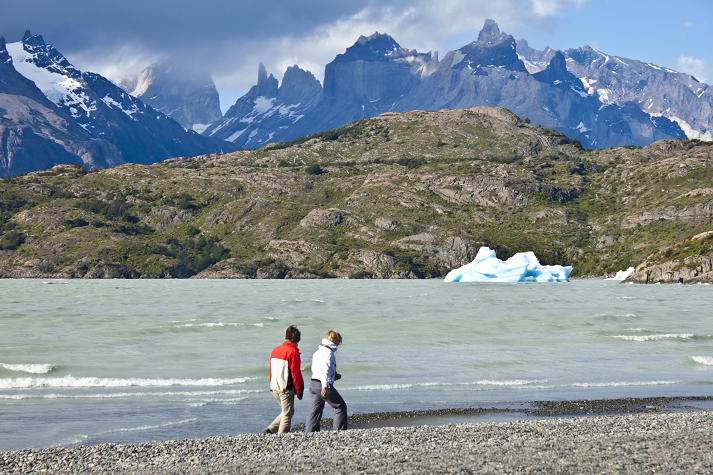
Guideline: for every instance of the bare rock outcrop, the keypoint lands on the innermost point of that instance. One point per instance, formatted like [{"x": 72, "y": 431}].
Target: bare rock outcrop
[
  {"x": 328, "y": 218},
  {"x": 297, "y": 253},
  {"x": 691, "y": 270},
  {"x": 456, "y": 252}
]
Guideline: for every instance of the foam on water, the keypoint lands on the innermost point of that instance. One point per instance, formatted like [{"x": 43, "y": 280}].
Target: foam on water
[
  {"x": 615, "y": 384},
  {"x": 70, "y": 381},
  {"x": 388, "y": 387},
  {"x": 29, "y": 368},
  {"x": 706, "y": 360},
  {"x": 190, "y": 394},
  {"x": 210, "y": 324},
  {"x": 684, "y": 336},
  {"x": 145, "y": 428}
]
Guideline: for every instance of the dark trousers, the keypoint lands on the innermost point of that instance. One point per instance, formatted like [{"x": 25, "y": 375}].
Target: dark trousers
[{"x": 334, "y": 399}]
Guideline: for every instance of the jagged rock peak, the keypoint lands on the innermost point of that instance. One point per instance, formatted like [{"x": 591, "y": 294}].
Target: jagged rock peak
[
  {"x": 377, "y": 47},
  {"x": 4, "y": 55},
  {"x": 267, "y": 86},
  {"x": 490, "y": 32},
  {"x": 493, "y": 48},
  {"x": 298, "y": 84},
  {"x": 261, "y": 73},
  {"x": 32, "y": 40},
  {"x": 558, "y": 64},
  {"x": 556, "y": 71}
]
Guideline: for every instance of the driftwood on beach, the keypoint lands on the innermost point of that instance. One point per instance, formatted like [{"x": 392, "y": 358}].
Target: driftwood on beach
[{"x": 665, "y": 442}]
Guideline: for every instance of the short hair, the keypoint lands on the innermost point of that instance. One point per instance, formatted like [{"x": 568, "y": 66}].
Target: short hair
[
  {"x": 292, "y": 334},
  {"x": 334, "y": 337}
]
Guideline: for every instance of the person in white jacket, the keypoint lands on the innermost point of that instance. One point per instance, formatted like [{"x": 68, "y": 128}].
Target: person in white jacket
[{"x": 324, "y": 373}]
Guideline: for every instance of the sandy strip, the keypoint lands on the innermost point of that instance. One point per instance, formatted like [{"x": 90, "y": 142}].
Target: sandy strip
[{"x": 663, "y": 442}]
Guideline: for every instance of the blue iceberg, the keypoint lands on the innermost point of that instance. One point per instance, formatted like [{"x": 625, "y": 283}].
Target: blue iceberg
[{"x": 522, "y": 267}]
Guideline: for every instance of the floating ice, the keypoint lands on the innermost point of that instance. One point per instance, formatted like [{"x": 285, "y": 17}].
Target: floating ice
[
  {"x": 622, "y": 274},
  {"x": 522, "y": 267}
]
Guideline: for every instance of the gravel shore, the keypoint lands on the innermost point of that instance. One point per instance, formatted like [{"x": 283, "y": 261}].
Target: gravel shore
[{"x": 665, "y": 442}]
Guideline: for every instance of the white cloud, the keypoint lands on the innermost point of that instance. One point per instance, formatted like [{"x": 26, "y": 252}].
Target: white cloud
[
  {"x": 545, "y": 8},
  {"x": 697, "y": 67}
]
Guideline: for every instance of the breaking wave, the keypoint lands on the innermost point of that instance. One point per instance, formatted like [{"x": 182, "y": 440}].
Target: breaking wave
[
  {"x": 517, "y": 383},
  {"x": 684, "y": 336},
  {"x": 91, "y": 382},
  {"x": 29, "y": 368},
  {"x": 706, "y": 360}
]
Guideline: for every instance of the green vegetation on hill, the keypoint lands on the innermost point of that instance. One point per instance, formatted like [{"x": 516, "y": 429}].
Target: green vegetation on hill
[{"x": 398, "y": 196}]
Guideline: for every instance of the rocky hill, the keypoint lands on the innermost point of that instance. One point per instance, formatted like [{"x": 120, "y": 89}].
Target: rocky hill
[{"x": 396, "y": 196}]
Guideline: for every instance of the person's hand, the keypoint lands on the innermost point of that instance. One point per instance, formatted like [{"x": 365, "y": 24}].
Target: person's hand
[
  {"x": 324, "y": 392},
  {"x": 299, "y": 396}
]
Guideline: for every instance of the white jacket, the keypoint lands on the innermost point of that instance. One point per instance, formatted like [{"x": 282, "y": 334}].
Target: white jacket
[{"x": 324, "y": 364}]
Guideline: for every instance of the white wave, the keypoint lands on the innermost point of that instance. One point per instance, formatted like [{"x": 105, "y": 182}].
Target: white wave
[
  {"x": 258, "y": 324},
  {"x": 706, "y": 360},
  {"x": 654, "y": 337},
  {"x": 168, "y": 394},
  {"x": 614, "y": 384},
  {"x": 210, "y": 324},
  {"x": 29, "y": 368},
  {"x": 145, "y": 428},
  {"x": 70, "y": 381},
  {"x": 485, "y": 382}
]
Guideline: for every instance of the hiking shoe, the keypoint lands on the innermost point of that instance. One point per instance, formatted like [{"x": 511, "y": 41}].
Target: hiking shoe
[{"x": 266, "y": 431}]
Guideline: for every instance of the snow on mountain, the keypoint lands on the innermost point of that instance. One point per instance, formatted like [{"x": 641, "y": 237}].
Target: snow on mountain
[
  {"x": 377, "y": 75},
  {"x": 141, "y": 133},
  {"x": 656, "y": 91},
  {"x": 183, "y": 93},
  {"x": 267, "y": 112}
]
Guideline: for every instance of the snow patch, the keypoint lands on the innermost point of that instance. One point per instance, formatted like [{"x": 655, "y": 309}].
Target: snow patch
[
  {"x": 235, "y": 136},
  {"x": 263, "y": 104},
  {"x": 690, "y": 132},
  {"x": 604, "y": 95},
  {"x": 199, "y": 128}
]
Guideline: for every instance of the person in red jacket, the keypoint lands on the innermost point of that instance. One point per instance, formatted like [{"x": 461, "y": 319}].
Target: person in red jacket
[{"x": 286, "y": 380}]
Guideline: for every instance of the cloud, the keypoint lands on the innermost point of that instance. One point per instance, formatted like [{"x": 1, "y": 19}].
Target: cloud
[
  {"x": 696, "y": 67},
  {"x": 545, "y": 8}
]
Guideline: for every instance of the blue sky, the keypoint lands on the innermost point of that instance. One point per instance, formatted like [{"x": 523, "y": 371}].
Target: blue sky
[{"x": 229, "y": 38}]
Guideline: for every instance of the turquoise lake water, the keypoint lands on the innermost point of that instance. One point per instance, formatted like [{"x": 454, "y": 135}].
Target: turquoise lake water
[{"x": 87, "y": 362}]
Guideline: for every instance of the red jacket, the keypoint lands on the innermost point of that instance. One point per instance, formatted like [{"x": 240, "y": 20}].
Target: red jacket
[{"x": 285, "y": 372}]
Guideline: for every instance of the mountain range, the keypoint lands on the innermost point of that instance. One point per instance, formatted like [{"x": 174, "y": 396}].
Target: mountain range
[
  {"x": 601, "y": 100},
  {"x": 52, "y": 113}
]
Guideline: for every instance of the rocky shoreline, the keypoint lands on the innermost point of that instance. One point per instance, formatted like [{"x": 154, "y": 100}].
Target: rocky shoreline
[{"x": 656, "y": 435}]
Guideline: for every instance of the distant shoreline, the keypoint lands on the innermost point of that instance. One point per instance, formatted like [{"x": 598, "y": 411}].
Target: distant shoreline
[{"x": 639, "y": 435}]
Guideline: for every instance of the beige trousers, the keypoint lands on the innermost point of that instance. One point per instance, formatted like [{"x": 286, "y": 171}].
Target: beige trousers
[{"x": 283, "y": 422}]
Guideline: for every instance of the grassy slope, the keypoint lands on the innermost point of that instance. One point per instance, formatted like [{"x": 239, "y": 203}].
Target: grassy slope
[{"x": 481, "y": 175}]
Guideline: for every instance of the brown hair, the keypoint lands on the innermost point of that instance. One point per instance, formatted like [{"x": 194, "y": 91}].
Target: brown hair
[
  {"x": 334, "y": 337},
  {"x": 292, "y": 334}
]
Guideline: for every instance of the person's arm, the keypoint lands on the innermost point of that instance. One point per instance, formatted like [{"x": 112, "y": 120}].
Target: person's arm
[{"x": 296, "y": 372}]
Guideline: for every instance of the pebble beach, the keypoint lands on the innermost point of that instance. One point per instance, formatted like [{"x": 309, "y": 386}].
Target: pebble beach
[{"x": 653, "y": 439}]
